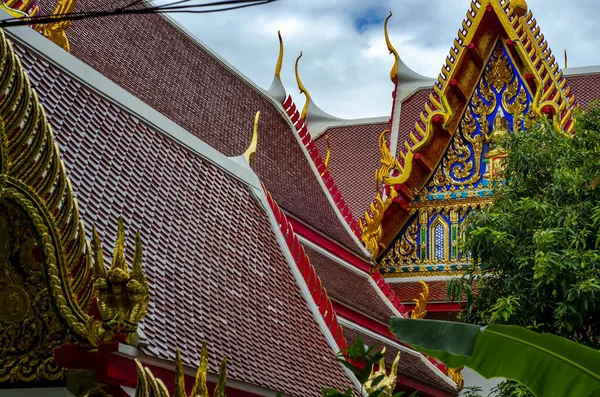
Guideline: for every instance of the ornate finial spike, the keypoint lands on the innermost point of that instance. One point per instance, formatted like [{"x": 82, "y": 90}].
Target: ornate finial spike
[
  {"x": 249, "y": 153},
  {"x": 56, "y": 31},
  {"x": 303, "y": 90},
  {"x": 394, "y": 71},
  {"x": 200, "y": 389},
  {"x": 136, "y": 269},
  {"x": 118, "y": 261},
  {"x": 328, "y": 156},
  {"x": 386, "y": 383},
  {"x": 421, "y": 302},
  {"x": 519, "y": 7},
  {"x": 222, "y": 381},
  {"x": 566, "y": 60},
  {"x": 99, "y": 269},
  {"x": 179, "y": 377},
  {"x": 280, "y": 59}
]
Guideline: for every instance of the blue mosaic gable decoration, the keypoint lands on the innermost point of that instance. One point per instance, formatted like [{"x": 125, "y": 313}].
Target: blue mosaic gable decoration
[{"x": 463, "y": 180}]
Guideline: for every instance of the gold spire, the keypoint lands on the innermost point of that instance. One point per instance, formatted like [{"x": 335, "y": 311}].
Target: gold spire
[
  {"x": 280, "y": 58},
  {"x": 303, "y": 90},
  {"x": 566, "y": 60},
  {"x": 394, "y": 71},
  {"x": 421, "y": 302},
  {"x": 249, "y": 153},
  {"x": 328, "y": 156}
]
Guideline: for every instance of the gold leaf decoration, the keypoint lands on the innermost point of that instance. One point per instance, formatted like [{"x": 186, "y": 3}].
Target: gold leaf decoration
[
  {"x": 387, "y": 384},
  {"x": 149, "y": 386},
  {"x": 34, "y": 178},
  {"x": 121, "y": 295},
  {"x": 420, "y": 310}
]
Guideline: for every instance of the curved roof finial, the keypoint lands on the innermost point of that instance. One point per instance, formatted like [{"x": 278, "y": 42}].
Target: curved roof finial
[
  {"x": 280, "y": 59},
  {"x": 303, "y": 90},
  {"x": 328, "y": 156},
  {"x": 394, "y": 71},
  {"x": 566, "y": 59},
  {"x": 249, "y": 153}
]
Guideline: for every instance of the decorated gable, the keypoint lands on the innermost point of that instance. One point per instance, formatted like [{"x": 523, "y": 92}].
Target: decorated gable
[{"x": 429, "y": 243}]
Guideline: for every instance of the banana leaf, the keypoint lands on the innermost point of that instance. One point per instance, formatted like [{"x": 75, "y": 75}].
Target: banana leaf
[{"x": 550, "y": 366}]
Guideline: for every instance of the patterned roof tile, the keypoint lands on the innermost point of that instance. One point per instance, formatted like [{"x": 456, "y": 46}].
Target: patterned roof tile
[{"x": 215, "y": 269}]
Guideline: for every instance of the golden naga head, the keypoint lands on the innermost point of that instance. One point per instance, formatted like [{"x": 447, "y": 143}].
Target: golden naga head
[
  {"x": 121, "y": 294},
  {"x": 388, "y": 383}
]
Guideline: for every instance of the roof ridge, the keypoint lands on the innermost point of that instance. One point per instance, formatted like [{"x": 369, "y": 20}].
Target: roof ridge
[{"x": 99, "y": 83}]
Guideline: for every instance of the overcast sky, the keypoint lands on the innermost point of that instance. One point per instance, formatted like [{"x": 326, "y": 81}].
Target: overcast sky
[{"x": 346, "y": 64}]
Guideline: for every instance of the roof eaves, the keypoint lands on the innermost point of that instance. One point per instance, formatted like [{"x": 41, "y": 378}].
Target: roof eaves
[
  {"x": 349, "y": 123},
  {"x": 374, "y": 281},
  {"x": 582, "y": 71},
  {"x": 305, "y": 275},
  {"x": 98, "y": 83}
]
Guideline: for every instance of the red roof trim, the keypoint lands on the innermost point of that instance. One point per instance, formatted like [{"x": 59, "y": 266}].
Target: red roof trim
[
  {"x": 389, "y": 293},
  {"x": 433, "y": 307},
  {"x": 300, "y": 126},
  {"x": 329, "y": 246},
  {"x": 318, "y": 293}
]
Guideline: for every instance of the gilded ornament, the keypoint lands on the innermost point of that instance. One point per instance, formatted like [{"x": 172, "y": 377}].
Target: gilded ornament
[
  {"x": 388, "y": 163},
  {"x": 56, "y": 31},
  {"x": 149, "y": 386},
  {"x": 328, "y": 156},
  {"x": 392, "y": 50},
  {"x": 456, "y": 375},
  {"x": 249, "y": 153},
  {"x": 420, "y": 310},
  {"x": 371, "y": 225},
  {"x": 387, "y": 382},
  {"x": 280, "y": 57},
  {"x": 303, "y": 90},
  {"x": 121, "y": 294},
  {"x": 33, "y": 177}
]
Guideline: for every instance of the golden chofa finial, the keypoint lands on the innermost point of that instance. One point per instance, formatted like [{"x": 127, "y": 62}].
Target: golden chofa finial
[
  {"x": 249, "y": 153},
  {"x": 328, "y": 156},
  {"x": 149, "y": 386},
  {"x": 421, "y": 302},
  {"x": 121, "y": 295},
  {"x": 394, "y": 71},
  {"x": 303, "y": 90},
  {"x": 280, "y": 58},
  {"x": 386, "y": 383},
  {"x": 566, "y": 59},
  {"x": 519, "y": 7}
]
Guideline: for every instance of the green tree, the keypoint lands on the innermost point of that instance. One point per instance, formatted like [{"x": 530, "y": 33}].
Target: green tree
[{"x": 535, "y": 249}]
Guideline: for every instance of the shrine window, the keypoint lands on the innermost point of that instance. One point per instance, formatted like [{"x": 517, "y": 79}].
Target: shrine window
[{"x": 439, "y": 240}]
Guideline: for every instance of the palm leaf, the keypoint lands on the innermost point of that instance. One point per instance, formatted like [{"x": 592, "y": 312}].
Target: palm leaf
[{"x": 550, "y": 366}]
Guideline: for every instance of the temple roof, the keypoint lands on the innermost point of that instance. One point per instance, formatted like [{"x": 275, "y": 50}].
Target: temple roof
[
  {"x": 354, "y": 160},
  {"x": 206, "y": 96},
  {"x": 192, "y": 212}
]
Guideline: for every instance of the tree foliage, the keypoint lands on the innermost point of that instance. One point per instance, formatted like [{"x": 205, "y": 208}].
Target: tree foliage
[{"x": 536, "y": 249}]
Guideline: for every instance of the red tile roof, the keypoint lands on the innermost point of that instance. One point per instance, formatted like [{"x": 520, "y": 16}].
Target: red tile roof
[
  {"x": 354, "y": 160},
  {"x": 160, "y": 64},
  {"x": 411, "y": 362},
  {"x": 215, "y": 269},
  {"x": 349, "y": 287},
  {"x": 409, "y": 114},
  {"x": 407, "y": 291},
  {"x": 585, "y": 88}
]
